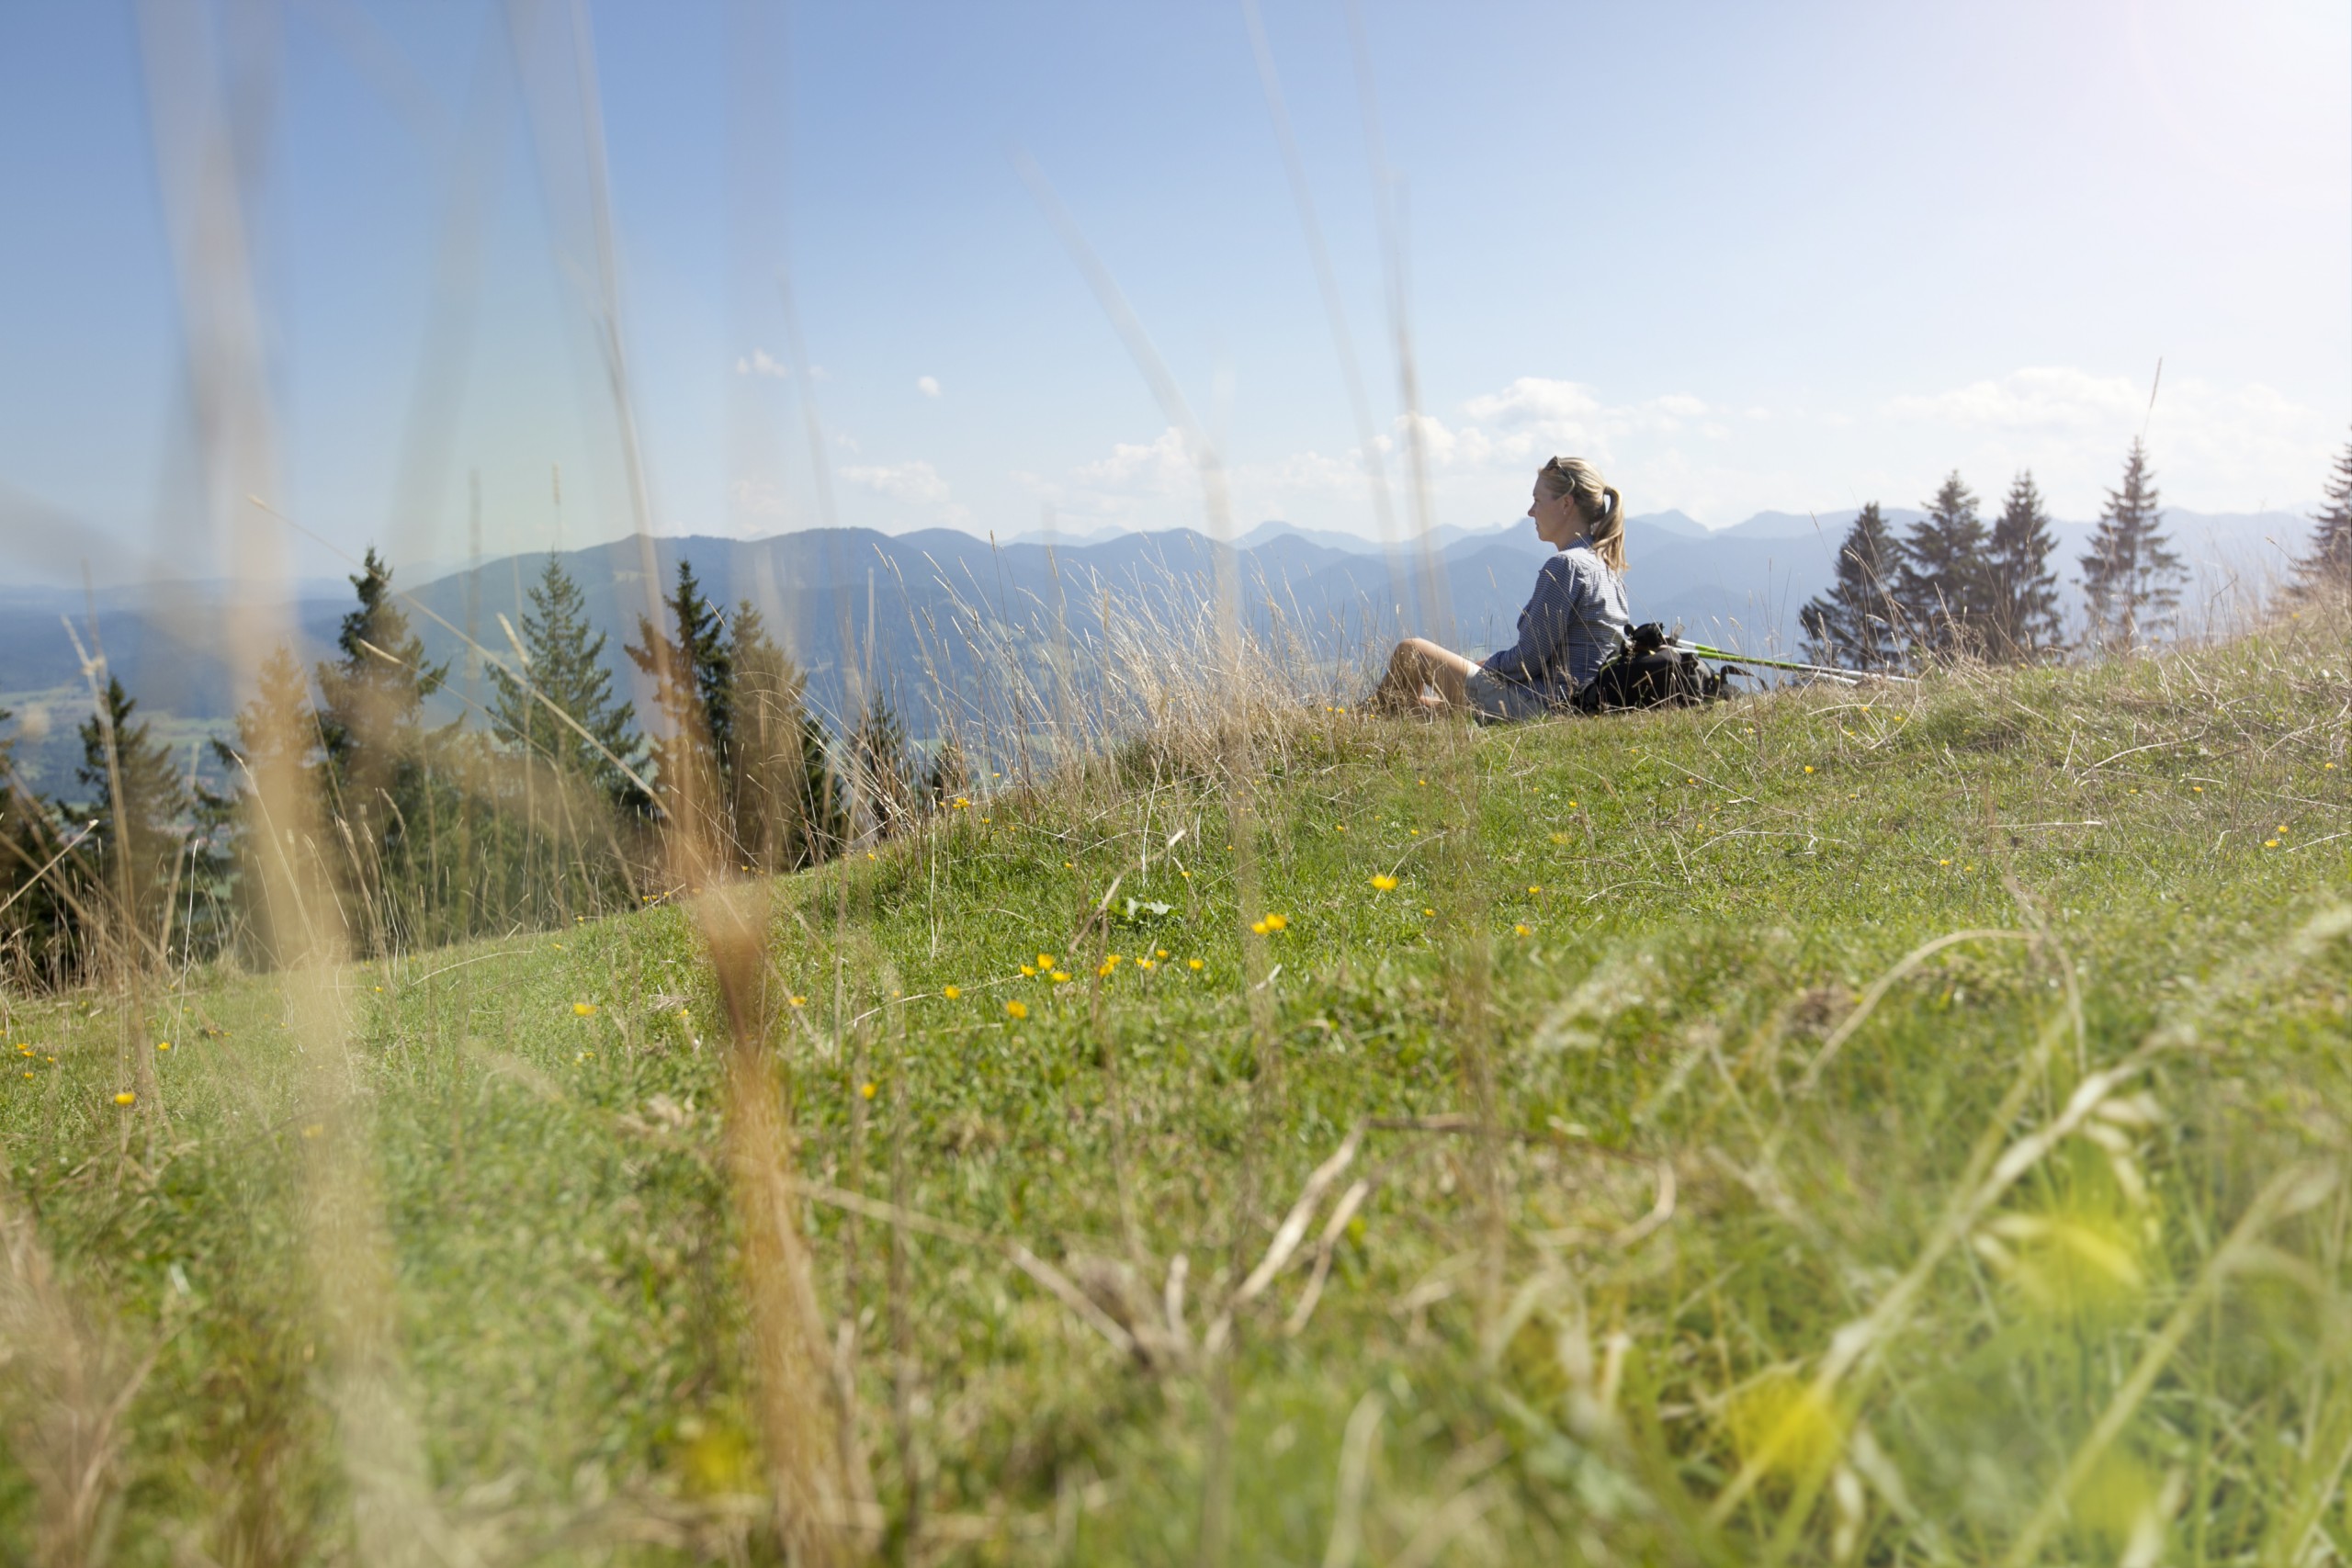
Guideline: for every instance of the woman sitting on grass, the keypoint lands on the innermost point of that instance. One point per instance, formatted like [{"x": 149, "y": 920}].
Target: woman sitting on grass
[{"x": 1572, "y": 621}]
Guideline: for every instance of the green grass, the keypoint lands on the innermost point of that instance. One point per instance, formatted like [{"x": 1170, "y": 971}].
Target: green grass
[{"x": 1568, "y": 1331}]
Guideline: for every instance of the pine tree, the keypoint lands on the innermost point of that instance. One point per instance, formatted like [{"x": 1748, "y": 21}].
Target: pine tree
[
  {"x": 2325, "y": 569},
  {"x": 784, "y": 802},
  {"x": 694, "y": 690},
  {"x": 141, "y": 804},
  {"x": 388, "y": 805},
  {"x": 372, "y": 699},
  {"x": 41, "y": 942},
  {"x": 564, "y": 662},
  {"x": 1855, "y": 623},
  {"x": 273, "y": 754},
  {"x": 2023, "y": 592},
  {"x": 1944, "y": 590},
  {"x": 2130, "y": 576}
]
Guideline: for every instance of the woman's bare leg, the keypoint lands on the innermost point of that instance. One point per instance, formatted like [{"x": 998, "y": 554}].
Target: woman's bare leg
[{"x": 1417, "y": 664}]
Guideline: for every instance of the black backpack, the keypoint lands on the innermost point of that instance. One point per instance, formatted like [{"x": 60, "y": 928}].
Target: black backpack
[{"x": 1645, "y": 673}]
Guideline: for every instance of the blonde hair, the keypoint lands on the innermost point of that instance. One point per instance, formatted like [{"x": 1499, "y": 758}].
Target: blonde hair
[{"x": 1600, "y": 508}]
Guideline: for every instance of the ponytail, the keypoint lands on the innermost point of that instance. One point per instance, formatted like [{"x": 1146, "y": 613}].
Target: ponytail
[{"x": 1609, "y": 531}]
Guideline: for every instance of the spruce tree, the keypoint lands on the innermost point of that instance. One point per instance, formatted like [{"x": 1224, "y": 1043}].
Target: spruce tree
[
  {"x": 1855, "y": 623},
  {"x": 372, "y": 698},
  {"x": 277, "y": 727},
  {"x": 272, "y": 753},
  {"x": 1944, "y": 590},
  {"x": 694, "y": 690},
  {"x": 140, "y": 802},
  {"x": 2325, "y": 569},
  {"x": 380, "y": 785},
  {"x": 2130, "y": 576},
  {"x": 40, "y": 942},
  {"x": 564, "y": 663},
  {"x": 785, "y": 801},
  {"x": 2023, "y": 592}
]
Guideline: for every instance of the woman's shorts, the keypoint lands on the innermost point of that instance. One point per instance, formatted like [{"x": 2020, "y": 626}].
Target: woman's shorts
[{"x": 1496, "y": 701}]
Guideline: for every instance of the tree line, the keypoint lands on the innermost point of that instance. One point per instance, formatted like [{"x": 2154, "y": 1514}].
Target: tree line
[
  {"x": 555, "y": 803},
  {"x": 1957, "y": 587}
]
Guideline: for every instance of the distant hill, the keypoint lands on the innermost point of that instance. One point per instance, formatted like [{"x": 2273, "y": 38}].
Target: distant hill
[{"x": 926, "y": 603}]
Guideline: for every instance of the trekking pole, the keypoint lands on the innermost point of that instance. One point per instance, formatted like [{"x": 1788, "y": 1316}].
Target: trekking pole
[{"x": 1850, "y": 677}]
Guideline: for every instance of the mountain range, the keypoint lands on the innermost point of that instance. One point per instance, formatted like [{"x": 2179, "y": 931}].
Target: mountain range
[{"x": 914, "y": 607}]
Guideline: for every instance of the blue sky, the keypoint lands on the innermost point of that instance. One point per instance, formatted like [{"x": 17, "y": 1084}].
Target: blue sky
[{"x": 1786, "y": 256}]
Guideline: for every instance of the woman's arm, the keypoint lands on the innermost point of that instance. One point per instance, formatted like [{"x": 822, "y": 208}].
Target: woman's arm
[{"x": 1550, "y": 610}]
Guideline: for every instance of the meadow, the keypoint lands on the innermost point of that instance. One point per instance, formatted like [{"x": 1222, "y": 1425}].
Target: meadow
[{"x": 1889, "y": 1125}]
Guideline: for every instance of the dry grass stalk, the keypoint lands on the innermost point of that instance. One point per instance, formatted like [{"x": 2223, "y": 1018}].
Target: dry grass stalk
[{"x": 65, "y": 1389}]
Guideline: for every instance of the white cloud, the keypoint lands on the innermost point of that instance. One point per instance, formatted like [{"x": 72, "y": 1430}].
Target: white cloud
[
  {"x": 759, "y": 362},
  {"x": 2036, "y": 398},
  {"x": 1534, "y": 400},
  {"x": 927, "y": 385},
  {"x": 914, "y": 484},
  {"x": 1157, "y": 469},
  {"x": 756, "y": 498},
  {"x": 2214, "y": 447}
]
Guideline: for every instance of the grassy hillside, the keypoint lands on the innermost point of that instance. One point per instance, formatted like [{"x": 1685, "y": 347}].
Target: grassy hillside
[{"x": 1820, "y": 1127}]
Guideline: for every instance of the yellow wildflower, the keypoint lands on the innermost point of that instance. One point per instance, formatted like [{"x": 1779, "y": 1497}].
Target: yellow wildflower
[
  {"x": 800, "y": 1001},
  {"x": 125, "y": 1098},
  {"x": 1143, "y": 962},
  {"x": 1534, "y": 888},
  {"x": 1786, "y": 1425},
  {"x": 1426, "y": 911},
  {"x": 1159, "y": 952},
  {"x": 951, "y": 992},
  {"x": 1277, "y": 922},
  {"x": 1520, "y": 929},
  {"x": 584, "y": 1010},
  {"x": 1192, "y": 964},
  {"x": 163, "y": 1044},
  {"x": 1061, "y": 976},
  {"x": 1029, "y": 969},
  {"x": 1385, "y": 883},
  {"x": 1016, "y": 1010},
  {"x": 1044, "y": 961},
  {"x": 1808, "y": 767},
  {"x": 865, "y": 1089},
  {"x": 1259, "y": 926}
]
